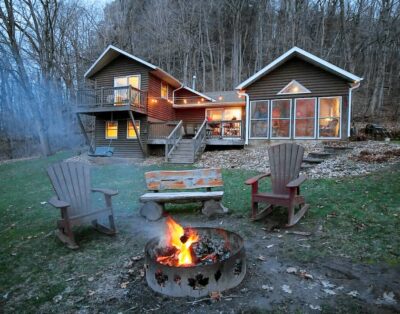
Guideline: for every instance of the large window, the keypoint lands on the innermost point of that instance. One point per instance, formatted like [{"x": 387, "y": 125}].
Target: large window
[
  {"x": 280, "y": 118},
  {"x": 131, "y": 134},
  {"x": 259, "y": 115},
  {"x": 304, "y": 118},
  {"x": 121, "y": 93},
  {"x": 225, "y": 122},
  {"x": 111, "y": 129},
  {"x": 164, "y": 90},
  {"x": 329, "y": 117}
]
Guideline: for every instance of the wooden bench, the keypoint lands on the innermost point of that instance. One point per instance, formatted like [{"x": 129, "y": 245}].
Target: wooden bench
[{"x": 153, "y": 203}]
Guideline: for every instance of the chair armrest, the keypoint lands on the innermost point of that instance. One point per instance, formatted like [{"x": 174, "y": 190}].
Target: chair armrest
[
  {"x": 257, "y": 178},
  {"x": 295, "y": 183},
  {"x": 105, "y": 191},
  {"x": 54, "y": 201}
]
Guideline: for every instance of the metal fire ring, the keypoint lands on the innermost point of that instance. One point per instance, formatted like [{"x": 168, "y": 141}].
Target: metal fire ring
[{"x": 198, "y": 280}]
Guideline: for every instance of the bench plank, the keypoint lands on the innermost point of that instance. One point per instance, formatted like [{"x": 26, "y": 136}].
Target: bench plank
[
  {"x": 181, "y": 196},
  {"x": 185, "y": 179}
]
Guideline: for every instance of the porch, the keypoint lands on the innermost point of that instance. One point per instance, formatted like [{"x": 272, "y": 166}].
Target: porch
[{"x": 105, "y": 99}]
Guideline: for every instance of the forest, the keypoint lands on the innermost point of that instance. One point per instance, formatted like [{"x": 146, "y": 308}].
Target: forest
[{"x": 47, "y": 45}]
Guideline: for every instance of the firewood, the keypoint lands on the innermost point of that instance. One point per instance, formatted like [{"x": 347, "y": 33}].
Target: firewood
[
  {"x": 152, "y": 211},
  {"x": 213, "y": 207}
]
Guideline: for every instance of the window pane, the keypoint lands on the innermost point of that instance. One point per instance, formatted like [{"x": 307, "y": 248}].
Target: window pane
[
  {"x": 305, "y": 117},
  {"x": 294, "y": 87},
  {"x": 259, "y": 110},
  {"x": 329, "y": 117},
  {"x": 164, "y": 90},
  {"x": 214, "y": 115},
  {"x": 131, "y": 130},
  {"x": 134, "y": 81},
  {"x": 259, "y": 128},
  {"x": 280, "y": 128},
  {"x": 281, "y": 108},
  {"x": 232, "y": 114},
  {"x": 111, "y": 129}
]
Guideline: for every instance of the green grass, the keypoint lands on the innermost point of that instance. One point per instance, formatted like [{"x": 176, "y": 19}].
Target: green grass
[{"x": 360, "y": 218}]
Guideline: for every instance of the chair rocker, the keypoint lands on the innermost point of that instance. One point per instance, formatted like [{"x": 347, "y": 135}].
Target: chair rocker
[
  {"x": 71, "y": 182},
  {"x": 285, "y": 162}
]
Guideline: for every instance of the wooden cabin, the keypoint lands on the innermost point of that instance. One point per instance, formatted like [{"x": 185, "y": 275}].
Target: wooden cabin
[
  {"x": 140, "y": 109},
  {"x": 299, "y": 96}
]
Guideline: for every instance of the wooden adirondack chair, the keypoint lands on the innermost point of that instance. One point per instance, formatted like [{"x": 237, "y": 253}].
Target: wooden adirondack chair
[
  {"x": 285, "y": 162},
  {"x": 71, "y": 182}
]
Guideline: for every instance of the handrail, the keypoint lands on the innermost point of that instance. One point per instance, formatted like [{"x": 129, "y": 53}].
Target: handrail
[
  {"x": 173, "y": 139},
  {"x": 199, "y": 138}
]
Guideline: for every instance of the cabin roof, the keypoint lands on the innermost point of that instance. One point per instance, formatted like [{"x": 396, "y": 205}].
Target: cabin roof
[
  {"x": 302, "y": 54},
  {"x": 219, "y": 99},
  {"x": 112, "y": 52}
]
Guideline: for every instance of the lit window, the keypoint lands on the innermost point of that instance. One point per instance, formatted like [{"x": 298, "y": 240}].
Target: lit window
[
  {"x": 304, "y": 118},
  {"x": 259, "y": 113},
  {"x": 329, "y": 117},
  {"x": 164, "y": 90},
  {"x": 294, "y": 87},
  {"x": 280, "y": 118},
  {"x": 225, "y": 122},
  {"x": 112, "y": 129},
  {"x": 131, "y": 131}
]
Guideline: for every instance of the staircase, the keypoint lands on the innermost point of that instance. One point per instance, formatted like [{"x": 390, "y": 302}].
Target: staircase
[
  {"x": 315, "y": 158},
  {"x": 183, "y": 153}
]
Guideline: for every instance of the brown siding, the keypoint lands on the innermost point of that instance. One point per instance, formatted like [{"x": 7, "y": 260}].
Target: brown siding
[
  {"x": 123, "y": 147},
  {"x": 157, "y": 107},
  {"x": 318, "y": 81},
  {"x": 191, "y": 115},
  {"x": 190, "y": 97},
  {"x": 121, "y": 66}
]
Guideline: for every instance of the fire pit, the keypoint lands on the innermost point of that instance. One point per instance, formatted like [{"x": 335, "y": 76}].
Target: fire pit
[{"x": 194, "y": 261}]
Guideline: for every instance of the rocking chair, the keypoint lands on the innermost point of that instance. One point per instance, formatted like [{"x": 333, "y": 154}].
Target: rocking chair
[
  {"x": 71, "y": 182},
  {"x": 285, "y": 162}
]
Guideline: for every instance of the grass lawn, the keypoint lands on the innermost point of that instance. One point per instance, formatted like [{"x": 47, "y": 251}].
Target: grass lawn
[{"x": 357, "y": 217}]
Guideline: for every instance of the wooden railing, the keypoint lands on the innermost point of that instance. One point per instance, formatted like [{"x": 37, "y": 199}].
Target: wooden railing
[
  {"x": 200, "y": 137},
  {"x": 227, "y": 128},
  {"x": 173, "y": 139},
  {"x": 112, "y": 97},
  {"x": 160, "y": 130}
]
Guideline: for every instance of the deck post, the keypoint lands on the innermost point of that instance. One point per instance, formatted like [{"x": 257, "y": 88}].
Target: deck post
[
  {"x": 101, "y": 96},
  {"x": 84, "y": 133},
  {"x": 137, "y": 133}
]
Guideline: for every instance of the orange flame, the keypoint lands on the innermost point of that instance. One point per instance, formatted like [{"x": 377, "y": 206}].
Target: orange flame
[{"x": 182, "y": 240}]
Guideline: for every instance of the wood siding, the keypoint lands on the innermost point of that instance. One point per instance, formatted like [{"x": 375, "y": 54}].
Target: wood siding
[
  {"x": 157, "y": 107},
  {"x": 191, "y": 115},
  {"x": 121, "y": 66},
  {"x": 123, "y": 147},
  {"x": 190, "y": 97},
  {"x": 318, "y": 81}
]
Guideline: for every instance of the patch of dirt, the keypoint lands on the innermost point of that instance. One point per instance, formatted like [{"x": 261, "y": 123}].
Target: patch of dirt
[{"x": 273, "y": 282}]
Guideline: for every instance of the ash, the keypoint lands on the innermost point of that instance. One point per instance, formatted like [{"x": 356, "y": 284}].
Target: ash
[{"x": 210, "y": 250}]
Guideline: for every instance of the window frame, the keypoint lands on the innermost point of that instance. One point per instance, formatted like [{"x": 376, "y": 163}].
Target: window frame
[
  {"x": 106, "y": 129},
  {"x": 165, "y": 84},
  {"x": 287, "y": 85},
  {"x": 127, "y": 129},
  {"x": 340, "y": 118},
  {"x": 315, "y": 119},
  {"x": 290, "y": 120},
  {"x": 223, "y": 119},
  {"x": 268, "y": 120},
  {"x": 127, "y": 81}
]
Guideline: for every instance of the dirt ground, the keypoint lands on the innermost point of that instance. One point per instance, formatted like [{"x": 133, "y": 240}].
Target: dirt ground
[{"x": 274, "y": 282}]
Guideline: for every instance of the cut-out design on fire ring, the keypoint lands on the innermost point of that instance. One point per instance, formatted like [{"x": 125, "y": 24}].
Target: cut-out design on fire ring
[
  {"x": 238, "y": 267},
  {"x": 199, "y": 282},
  {"x": 217, "y": 275},
  {"x": 161, "y": 277},
  {"x": 177, "y": 279}
]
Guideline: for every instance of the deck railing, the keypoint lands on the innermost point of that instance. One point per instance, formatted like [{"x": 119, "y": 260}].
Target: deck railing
[
  {"x": 226, "y": 128},
  {"x": 160, "y": 130},
  {"x": 198, "y": 140},
  {"x": 112, "y": 97},
  {"x": 173, "y": 139}
]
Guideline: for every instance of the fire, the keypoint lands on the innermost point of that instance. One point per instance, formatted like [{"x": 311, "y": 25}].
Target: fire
[{"x": 182, "y": 241}]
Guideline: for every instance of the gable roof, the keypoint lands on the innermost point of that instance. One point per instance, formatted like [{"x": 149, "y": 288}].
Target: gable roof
[
  {"x": 295, "y": 51},
  {"x": 112, "y": 52},
  {"x": 198, "y": 93}
]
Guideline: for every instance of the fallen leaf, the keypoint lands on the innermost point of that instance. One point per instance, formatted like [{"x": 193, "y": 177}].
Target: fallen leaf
[
  {"x": 43, "y": 203},
  {"x": 142, "y": 272},
  {"x": 303, "y": 233},
  {"x": 136, "y": 258},
  {"x": 262, "y": 258},
  {"x": 270, "y": 246},
  {"x": 303, "y": 273},
  {"x": 267, "y": 287},
  {"x": 90, "y": 279},
  {"x": 291, "y": 270},
  {"x": 124, "y": 285},
  {"x": 128, "y": 264},
  {"x": 286, "y": 289},
  {"x": 329, "y": 291},
  {"x": 131, "y": 271},
  {"x": 353, "y": 293},
  {"x": 327, "y": 284},
  {"x": 215, "y": 295},
  {"x": 91, "y": 292},
  {"x": 389, "y": 297},
  {"x": 69, "y": 279}
]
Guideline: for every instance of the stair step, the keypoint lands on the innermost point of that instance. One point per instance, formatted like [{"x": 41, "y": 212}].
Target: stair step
[
  {"x": 180, "y": 161},
  {"x": 321, "y": 155},
  {"x": 313, "y": 160}
]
